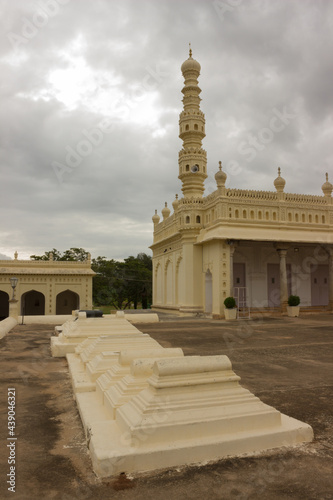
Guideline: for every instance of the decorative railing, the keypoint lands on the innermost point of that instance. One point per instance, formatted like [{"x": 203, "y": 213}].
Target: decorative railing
[
  {"x": 305, "y": 198},
  {"x": 257, "y": 195}
]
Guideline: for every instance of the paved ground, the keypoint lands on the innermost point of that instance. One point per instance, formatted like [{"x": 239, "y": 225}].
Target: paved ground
[{"x": 287, "y": 362}]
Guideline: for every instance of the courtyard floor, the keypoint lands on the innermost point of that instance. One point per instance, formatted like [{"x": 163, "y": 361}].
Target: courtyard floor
[{"x": 286, "y": 362}]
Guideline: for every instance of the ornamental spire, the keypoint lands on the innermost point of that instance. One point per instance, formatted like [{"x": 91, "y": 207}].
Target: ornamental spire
[{"x": 192, "y": 157}]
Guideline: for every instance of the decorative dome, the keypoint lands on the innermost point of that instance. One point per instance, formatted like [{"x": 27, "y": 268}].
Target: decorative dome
[
  {"x": 166, "y": 211},
  {"x": 175, "y": 203},
  {"x": 156, "y": 218},
  {"x": 190, "y": 64},
  {"x": 220, "y": 176},
  {"x": 279, "y": 182},
  {"x": 327, "y": 187}
]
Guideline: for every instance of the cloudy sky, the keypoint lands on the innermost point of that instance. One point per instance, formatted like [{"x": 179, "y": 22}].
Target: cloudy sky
[{"x": 90, "y": 98}]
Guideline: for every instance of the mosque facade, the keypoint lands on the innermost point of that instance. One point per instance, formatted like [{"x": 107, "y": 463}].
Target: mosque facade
[{"x": 257, "y": 246}]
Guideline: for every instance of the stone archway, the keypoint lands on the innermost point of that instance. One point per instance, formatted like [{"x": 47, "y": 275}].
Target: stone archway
[
  {"x": 33, "y": 303},
  {"x": 4, "y": 305},
  {"x": 66, "y": 302}
]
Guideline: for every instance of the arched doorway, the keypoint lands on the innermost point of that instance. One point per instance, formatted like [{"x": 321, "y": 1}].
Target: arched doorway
[
  {"x": 4, "y": 305},
  {"x": 67, "y": 302},
  {"x": 208, "y": 292},
  {"x": 33, "y": 304}
]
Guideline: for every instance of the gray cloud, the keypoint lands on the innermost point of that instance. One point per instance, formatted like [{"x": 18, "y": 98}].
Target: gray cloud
[{"x": 120, "y": 62}]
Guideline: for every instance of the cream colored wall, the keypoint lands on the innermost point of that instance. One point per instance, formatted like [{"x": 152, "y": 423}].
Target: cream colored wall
[{"x": 49, "y": 278}]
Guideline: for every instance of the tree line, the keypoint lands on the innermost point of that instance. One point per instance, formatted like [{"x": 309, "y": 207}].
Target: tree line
[{"x": 117, "y": 283}]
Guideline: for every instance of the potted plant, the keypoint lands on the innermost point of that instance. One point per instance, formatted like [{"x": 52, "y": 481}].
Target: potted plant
[
  {"x": 230, "y": 309},
  {"x": 293, "y": 305}
]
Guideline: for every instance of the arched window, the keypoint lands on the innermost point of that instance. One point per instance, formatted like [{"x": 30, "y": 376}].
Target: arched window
[
  {"x": 323, "y": 219},
  {"x": 66, "y": 302},
  {"x": 289, "y": 216},
  {"x": 260, "y": 214},
  {"x": 187, "y": 220},
  {"x": 274, "y": 215},
  {"x": 187, "y": 127},
  {"x": 195, "y": 126},
  {"x": 310, "y": 218},
  {"x": 187, "y": 168},
  {"x": 267, "y": 215},
  {"x": 252, "y": 214},
  {"x": 33, "y": 303},
  {"x": 303, "y": 217},
  {"x": 244, "y": 214},
  {"x": 236, "y": 214},
  {"x": 198, "y": 219}
]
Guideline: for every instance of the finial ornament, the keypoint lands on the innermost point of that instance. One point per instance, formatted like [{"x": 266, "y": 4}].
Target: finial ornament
[
  {"x": 220, "y": 177},
  {"x": 190, "y": 49},
  {"x": 279, "y": 182},
  {"x": 156, "y": 218},
  {"x": 327, "y": 187},
  {"x": 166, "y": 211}
]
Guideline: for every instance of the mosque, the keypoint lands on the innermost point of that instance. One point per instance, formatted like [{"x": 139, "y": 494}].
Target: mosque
[{"x": 257, "y": 246}]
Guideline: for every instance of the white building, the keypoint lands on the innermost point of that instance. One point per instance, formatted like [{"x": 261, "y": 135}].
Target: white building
[{"x": 258, "y": 246}]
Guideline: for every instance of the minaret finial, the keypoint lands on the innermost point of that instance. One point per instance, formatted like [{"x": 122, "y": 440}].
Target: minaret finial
[
  {"x": 279, "y": 171},
  {"x": 220, "y": 165},
  {"x": 190, "y": 49},
  {"x": 326, "y": 177}
]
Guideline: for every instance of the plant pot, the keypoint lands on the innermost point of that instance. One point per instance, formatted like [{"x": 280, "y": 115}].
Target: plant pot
[
  {"x": 230, "y": 314},
  {"x": 293, "y": 311}
]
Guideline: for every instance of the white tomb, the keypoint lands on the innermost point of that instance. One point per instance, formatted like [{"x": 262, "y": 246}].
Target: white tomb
[{"x": 192, "y": 411}]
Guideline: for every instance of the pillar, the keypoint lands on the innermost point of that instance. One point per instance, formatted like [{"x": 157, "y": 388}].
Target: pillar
[
  {"x": 283, "y": 279},
  {"x": 13, "y": 309},
  {"x": 232, "y": 251},
  {"x": 330, "y": 279}
]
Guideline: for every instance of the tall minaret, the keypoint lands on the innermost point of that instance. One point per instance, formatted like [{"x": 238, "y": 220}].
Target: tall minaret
[{"x": 192, "y": 158}]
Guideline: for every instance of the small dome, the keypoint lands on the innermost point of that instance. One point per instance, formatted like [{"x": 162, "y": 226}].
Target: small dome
[
  {"x": 156, "y": 218},
  {"x": 327, "y": 187},
  {"x": 279, "y": 182},
  {"x": 175, "y": 203},
  {"x": 166, "y": 211},
  {"x": 190, "y": 65},
  {"x": 220, "y": 176}
]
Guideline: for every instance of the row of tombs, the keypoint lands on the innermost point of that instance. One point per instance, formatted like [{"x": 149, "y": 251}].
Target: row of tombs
[{"x": 145, "y": 407}]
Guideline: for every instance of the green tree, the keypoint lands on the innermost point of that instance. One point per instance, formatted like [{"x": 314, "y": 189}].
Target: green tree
[
  {"x": 121, "y": 283},
  {"x": 73, "y": 254}
]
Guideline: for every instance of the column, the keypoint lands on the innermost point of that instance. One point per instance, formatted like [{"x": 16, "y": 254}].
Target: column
[
  {"x": 283, "y": 279},
  {"x": 13, "y": 309},
  {"x": 330, "y": 278},
  {"x": 232, "y": 251}
]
